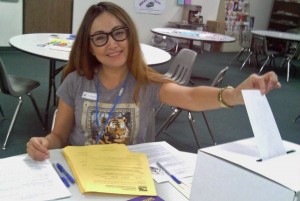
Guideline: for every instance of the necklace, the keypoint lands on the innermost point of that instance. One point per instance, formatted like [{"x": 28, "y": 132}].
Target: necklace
[{"x": 100, "y": 134}]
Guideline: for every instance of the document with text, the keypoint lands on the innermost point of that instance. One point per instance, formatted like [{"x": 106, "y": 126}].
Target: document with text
[
  {"x": 167, "y": 156},
  {"x": 22, "y": 178}
]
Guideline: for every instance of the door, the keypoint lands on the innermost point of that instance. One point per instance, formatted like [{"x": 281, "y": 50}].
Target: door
[{"x": 47, "y": 16}]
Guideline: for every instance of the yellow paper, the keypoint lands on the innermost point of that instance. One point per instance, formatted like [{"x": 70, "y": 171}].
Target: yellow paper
[
  {"x": 119, "y": 173},
  {"x": 110, "y": 169},
  {"x": 76, "y": 157}
]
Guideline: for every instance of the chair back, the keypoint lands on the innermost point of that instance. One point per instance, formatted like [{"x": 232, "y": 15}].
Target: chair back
[
  {"x": 181, "y": 68},
  {"x": 164, "y": 42},
  {"x": 219, "y": 77},
  {"x": 258, "y": 44},
  {"x": 245, "y": 37},
  {"x": 296, "y": 55},
  {"x": 4, "y": 81}
]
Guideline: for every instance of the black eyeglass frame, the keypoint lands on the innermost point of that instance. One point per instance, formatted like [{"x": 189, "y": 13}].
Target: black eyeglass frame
[{"x": 91, "y": 37}]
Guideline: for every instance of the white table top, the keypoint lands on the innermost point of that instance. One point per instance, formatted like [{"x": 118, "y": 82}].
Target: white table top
[
  {"x": 193, "y": 35},
  {"x": 165, "y": 190},
  {"x": 277, "y": 34},
  {"x": 32, "y": 43}
]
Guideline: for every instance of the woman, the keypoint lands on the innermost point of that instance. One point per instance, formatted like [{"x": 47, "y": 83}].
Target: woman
[{"x": 108, "y": 92}]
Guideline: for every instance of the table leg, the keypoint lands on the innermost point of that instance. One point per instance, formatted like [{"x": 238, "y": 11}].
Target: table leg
[{"x": 50, "y": 86}]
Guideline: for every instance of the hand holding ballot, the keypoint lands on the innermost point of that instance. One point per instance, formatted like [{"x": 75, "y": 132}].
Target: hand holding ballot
[{"x": 265, "y": 83}]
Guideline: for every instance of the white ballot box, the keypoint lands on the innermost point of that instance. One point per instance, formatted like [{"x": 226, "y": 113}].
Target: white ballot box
[{"x": 234, "y": 172}]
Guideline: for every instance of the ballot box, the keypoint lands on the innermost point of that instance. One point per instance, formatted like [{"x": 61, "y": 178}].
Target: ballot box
[{"x": 235, "y": 172}]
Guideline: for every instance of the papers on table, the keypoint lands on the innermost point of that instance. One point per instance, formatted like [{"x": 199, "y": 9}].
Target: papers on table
[
  {"x": 168, "y": 156},
  {"x": 263, "y": 124},
  {"x": 110, "y": 169},
  {"x": 58, "y": 43},
  {"x": 22, "y": 178}
]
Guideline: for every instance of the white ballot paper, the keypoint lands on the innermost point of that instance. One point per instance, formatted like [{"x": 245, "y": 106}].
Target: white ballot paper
[{"x": 263, "y": 124}]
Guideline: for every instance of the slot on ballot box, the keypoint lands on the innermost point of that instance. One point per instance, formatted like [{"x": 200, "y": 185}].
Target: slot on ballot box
[{"x": 233, "y": 172}]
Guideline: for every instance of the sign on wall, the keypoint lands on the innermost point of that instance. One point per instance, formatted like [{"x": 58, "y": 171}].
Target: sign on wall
[{"x": 150, "y": 6}]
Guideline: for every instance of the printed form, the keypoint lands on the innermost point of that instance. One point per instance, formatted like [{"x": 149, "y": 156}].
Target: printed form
[{"x": 25, "y": 179}]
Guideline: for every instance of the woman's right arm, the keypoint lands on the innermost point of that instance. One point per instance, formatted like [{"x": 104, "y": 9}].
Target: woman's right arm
[{"x": 38, "y": 147}]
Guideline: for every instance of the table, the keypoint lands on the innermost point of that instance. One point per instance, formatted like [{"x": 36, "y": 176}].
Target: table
[
  {"x": 35, "y": 44},
  {"x": 187, "y": 25},
  {"x": 193, "y": 35},
  {"x": 277, "y": 34},
  {"x": 165, "y": 190}
]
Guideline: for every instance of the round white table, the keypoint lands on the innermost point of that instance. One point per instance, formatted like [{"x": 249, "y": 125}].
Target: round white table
[
  {"x": 277, "y": 34},
  {"x": 37, "y": 44},
  {"x": 193, "y": 35}
]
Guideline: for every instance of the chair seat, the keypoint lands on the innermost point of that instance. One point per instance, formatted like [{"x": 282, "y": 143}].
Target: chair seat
[
  {"x": 17, "y": 86},
  {"x": 20, "y": 84}
]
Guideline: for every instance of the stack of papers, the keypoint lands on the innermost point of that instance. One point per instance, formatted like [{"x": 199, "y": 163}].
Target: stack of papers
[
  {"x": 25, "y": 179},
  {"x": 110, "y": 169}
]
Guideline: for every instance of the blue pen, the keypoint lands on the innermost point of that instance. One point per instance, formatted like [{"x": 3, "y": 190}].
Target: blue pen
[
  {"x": 168, "y": 173},
  {"x": 62, "y": 170},
  {"x": 64, "y": 180}
]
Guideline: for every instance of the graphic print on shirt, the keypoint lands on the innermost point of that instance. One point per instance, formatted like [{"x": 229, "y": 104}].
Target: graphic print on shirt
[{"x": 122, "y": 127}]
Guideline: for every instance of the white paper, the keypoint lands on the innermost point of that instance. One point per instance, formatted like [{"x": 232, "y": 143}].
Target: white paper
[
  {"x": 263, "y": 124},
  {"x": 168, "y": 156},
  {"x": 22, "y": 178}
]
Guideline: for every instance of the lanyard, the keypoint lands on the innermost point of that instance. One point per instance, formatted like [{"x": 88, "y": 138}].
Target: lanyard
[{"x": 111, "y": 110}]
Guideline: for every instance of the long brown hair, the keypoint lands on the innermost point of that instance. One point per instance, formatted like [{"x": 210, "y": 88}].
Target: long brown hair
[{"x": 82, "y": 60}]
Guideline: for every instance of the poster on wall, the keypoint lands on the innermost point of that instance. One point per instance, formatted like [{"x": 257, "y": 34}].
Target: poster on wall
[
  {"x": 184, "y": 2},
  {"x": 236, "y": 14},
  {"x": 155, "y": 7}
]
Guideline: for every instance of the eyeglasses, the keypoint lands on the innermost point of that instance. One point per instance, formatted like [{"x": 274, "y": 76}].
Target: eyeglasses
[{"x": 118, "y": 34}]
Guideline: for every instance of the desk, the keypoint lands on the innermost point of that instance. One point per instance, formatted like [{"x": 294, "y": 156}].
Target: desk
[
  {"x": 193, "y": 35},
  {"x": 165, "y": 190},
  {"x": 32, "y": 44}
]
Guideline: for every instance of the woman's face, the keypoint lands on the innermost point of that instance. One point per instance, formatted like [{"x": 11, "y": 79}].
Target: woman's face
[{"x": 113, "y": 54}]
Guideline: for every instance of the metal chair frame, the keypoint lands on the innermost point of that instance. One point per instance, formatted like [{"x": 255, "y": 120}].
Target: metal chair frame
[
  {"x": 176, "y": 112},
  {"x": 2, "y": 113},
  {"x": 180, "y": 70},
  {"x": 259, "y": 47},
  {"x": 17, "y": 87},
  {"x": 244, "y": 42},
  {"x": 290, "y": 57}
]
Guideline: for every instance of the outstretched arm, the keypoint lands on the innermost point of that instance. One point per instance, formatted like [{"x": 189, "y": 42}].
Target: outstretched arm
[{"x": 206, "y": 98}]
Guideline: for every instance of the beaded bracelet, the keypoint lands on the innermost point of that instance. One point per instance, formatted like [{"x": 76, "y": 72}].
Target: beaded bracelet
[{"x": 220, "y": 97}]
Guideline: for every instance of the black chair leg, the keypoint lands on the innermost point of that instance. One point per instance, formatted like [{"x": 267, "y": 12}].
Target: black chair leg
[
  {"x": 298, "y": 117},
  {"x": 37, "y": 110},
  {"x": 168, "y": 121},
  {"x": 2, "y": 113},
  {"x": 158, "y": 109},
  {"x": 208, "y": 127},
  {"x": 192, "y": 124}
]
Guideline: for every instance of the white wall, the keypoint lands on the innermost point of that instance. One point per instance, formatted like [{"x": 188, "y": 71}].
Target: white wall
[
  {"x": 10, "y": 20},
  {"x": 210, "y": 8},
  {"x": 11, "y": 13},
  {"x": 262, "y": 12},
  {"x": 143, "y": 22}
]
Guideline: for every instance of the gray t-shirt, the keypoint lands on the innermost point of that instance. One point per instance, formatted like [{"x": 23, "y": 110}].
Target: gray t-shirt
[{"x": 129, "y": 123}]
